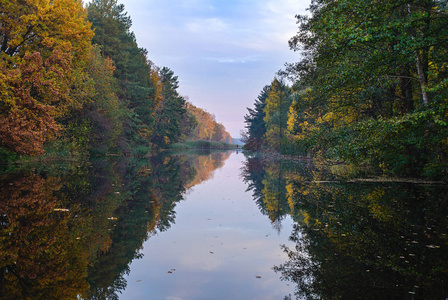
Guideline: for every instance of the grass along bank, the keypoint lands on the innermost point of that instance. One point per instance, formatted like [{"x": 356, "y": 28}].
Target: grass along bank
[{"x": 202, "y": 144}]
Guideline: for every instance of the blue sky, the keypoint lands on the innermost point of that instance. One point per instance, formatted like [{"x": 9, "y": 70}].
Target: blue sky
[{"x": 223, "y": 52}]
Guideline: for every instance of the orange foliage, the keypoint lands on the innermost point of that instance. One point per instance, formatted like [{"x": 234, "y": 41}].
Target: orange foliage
[
  {"x": 207, "y": 127},
  {"x": 205, "y": 165},
  {"x": 155, "y": 78},
  {"x": 44, "y": 47},
  {"x": 27, "y": 114}
]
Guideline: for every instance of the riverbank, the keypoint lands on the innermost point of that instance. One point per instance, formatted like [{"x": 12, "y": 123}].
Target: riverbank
[{"x": 202, "y": 144}]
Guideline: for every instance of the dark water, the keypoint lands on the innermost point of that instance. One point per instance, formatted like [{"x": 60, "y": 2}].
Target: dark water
[{"x": 218, "y": 226}]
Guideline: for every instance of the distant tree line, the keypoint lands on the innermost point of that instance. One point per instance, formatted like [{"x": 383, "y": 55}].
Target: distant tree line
[
  {"x": 74, "y": 81},
  {"x": 207, "y": 127},
  {"x": 371, "y": 88}
]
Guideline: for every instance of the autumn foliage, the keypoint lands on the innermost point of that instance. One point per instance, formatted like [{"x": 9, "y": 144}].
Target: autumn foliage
[
  {"x": 369, "y": 88},
  {"x": 74, "y": 81},
  {"x": 207, "y": 127},
  {"x": 44, "y": 47}
]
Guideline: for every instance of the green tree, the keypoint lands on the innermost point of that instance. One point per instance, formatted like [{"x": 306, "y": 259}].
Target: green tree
[
  {"x": 137, "y": 89},
  {"x": 170, "y": 111},
  {"x": 255, "y": 124},
  {"x": 375, "y": 84}
]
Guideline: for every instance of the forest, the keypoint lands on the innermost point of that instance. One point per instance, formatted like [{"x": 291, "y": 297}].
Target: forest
[
  {"x": 370, "y": 88},
  {"x": 73, "y": 81}
]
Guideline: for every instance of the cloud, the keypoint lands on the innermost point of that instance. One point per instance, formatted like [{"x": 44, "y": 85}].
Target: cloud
[
  {"x": 234, "y": 60},
  {"x": 224, "y": 52},
  {"x": 205, "y": 25}
]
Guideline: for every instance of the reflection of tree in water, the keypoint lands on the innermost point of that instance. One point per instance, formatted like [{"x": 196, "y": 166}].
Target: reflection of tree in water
[
  {"x": 42, "y": 255},
  {"x": 150, "y": 188},
  {"x": 67, "y": 226},
  {"x": 154, "y": 188},
  {"x": 368, "y": 241},
  {"x": 355, "y": 239},
  {"x": 205, "y": 163},
  {"x": 268, "y": 181},
  {"x": 253, "y": 173}
]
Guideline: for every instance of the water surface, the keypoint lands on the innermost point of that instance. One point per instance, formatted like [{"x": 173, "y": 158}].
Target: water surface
[
  {"x": 215, "y": 249},
  {"x": 218, "y": 225}
]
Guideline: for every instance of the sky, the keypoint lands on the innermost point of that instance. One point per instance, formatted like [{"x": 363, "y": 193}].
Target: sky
[{"x": 223, "y": 51}]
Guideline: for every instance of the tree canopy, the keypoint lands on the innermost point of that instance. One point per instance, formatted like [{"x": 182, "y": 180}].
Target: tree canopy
[
  {"x": 74, "y": 81},
  {"x": 370, "y": 87}
]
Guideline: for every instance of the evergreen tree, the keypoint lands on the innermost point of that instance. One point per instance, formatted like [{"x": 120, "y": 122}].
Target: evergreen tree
[
  {"x": 170, "y": 112},
  {"x": 255, "y": 124},
  {"x": 137, "y": 90}
]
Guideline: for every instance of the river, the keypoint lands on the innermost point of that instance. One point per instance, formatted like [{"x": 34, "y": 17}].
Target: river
[{"x": 218, "y": 225}]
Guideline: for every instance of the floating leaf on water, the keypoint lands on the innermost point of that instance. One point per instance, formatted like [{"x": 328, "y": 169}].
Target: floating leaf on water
[
  {"x": 258, "y": 276},
  {"x": 138, "y": 280},
  {"x": 61, "y": 209},
  {"x": 170, "y": 272},
  {"x": 211, "y": 252}
]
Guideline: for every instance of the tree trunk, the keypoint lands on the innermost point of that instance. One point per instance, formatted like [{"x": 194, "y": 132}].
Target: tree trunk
[{"x": 420, "y": 67}]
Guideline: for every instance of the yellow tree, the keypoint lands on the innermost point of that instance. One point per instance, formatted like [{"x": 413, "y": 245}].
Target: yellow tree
[
  {"x": 275, "y": 114},
  {"x": 44, "y": 46}
]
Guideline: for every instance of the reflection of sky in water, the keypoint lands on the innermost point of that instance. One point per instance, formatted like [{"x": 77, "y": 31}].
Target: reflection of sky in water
[{"x": 218, "y": 245}]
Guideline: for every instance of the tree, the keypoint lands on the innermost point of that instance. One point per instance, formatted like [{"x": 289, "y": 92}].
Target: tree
[
  {"x": 255, "y": 124},
  {"x": 105, "y": 114},
  {"x": 276, "y": 114},
  {"x": 44, "y": 47},
  {"x": 206, "y": 127},
  {"x": 170, "y": 111},
  {"x": 138, "y": 89},
  {"x": 375, "y": 85}
]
